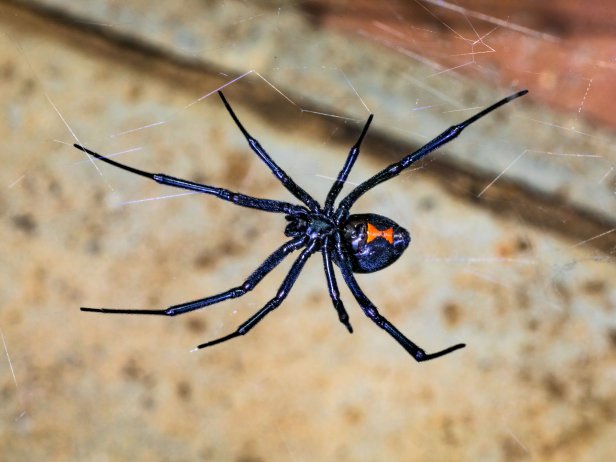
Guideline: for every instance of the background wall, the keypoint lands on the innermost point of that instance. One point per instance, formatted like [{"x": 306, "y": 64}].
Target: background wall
[{"x": 512, "y": 224}]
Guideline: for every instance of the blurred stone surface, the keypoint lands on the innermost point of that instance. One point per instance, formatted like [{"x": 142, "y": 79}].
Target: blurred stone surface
[{"x": 536, "y": 308}]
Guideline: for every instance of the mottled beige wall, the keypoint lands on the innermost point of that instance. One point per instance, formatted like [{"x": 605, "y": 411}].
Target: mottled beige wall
[{"x": 535, "y": 305}]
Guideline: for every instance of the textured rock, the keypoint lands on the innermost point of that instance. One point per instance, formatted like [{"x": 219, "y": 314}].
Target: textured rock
[{"x": 535, "y": 308}]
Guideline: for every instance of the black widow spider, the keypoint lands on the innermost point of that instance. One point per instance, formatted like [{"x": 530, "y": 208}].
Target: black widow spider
[{"x": 362, "y": 243}]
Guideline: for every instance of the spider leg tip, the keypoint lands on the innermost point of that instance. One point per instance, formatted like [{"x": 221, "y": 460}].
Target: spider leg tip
[
  {"x": 455, "y": 347},
  {"x": 85, "y": 308},
  {"x": 520, "y": 93},
  {"x": 202, "y": 346}
]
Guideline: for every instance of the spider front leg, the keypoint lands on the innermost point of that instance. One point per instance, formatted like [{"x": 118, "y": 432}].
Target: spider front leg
[
  {"x": 268, "y": 265},
  {"x": 274, "y": 303},
  {"x": 371, "y": 311},
  {"x": 279, "y": 173},
  {"x": 267, "y": 205}
]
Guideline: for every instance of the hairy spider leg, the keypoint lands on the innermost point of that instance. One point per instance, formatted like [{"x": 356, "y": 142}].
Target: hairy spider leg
[
  {"x": 267, "y": 205},
  {"x": 394, "y": 169},
  {"x": 275, "y": 302},
  {"x": 346, "y": 169},
  {"x": 332, "y": 286},
  {"x": 263, "y": 270},
  {"x": 371, "y": 311},
  {"x": 279, "y": 173}
]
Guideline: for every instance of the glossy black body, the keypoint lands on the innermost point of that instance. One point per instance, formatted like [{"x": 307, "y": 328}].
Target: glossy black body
[
  {"x": 369, "y": 255},
  {"x": 362, "y": 243}
]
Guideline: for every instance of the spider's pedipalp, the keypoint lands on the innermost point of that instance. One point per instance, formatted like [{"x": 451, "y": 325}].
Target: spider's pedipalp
[{"x": 263, "y": 270}]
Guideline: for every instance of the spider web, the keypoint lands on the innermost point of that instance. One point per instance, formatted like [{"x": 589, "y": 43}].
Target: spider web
[{"x": 512, "y": 224}]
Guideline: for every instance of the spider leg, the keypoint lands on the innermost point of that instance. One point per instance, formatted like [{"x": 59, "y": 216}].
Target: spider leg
[
  {"x": 267, "y": 205},
  {"x": 394, "y": 169},
  {"x": 332, "y": 286},
  {"x": 279, "y": 173},
  {"x": 274, "y": 303},
  {"x": 371, "y": 311},
  {"x": 346, "y": 169},
  {"x": 266, "y": 267}
]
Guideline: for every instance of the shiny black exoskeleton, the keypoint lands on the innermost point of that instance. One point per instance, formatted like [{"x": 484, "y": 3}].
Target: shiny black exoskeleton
[
  {"x": 362, "y": 243},
  {"x": 373, "y": 241}
]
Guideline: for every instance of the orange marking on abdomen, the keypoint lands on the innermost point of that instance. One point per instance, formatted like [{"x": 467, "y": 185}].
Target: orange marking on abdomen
[{"x": 374, "y": 232}]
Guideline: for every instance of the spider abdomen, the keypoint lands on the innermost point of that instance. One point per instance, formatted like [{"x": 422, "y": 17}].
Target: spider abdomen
[{"x": 373, "y": 241}]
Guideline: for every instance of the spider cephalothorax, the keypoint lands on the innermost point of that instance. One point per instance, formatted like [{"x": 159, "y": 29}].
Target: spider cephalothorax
[
  {"x": 362, "y": 243},
  {"x": 316, "y": 226}
]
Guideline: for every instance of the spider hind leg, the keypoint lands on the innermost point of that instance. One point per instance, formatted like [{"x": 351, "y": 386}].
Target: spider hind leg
[{"x": 371, "y": 311}]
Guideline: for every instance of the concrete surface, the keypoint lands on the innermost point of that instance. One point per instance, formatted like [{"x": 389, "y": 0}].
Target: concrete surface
[{"x": 534, "y": 304}]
